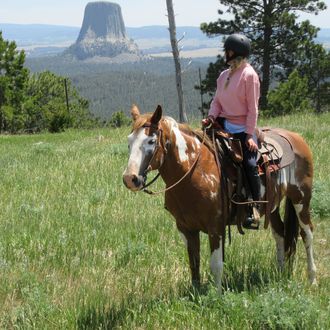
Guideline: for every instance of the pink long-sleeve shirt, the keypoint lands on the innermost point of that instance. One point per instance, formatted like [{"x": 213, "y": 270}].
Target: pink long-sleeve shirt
[{"x": 238, "y": 102}]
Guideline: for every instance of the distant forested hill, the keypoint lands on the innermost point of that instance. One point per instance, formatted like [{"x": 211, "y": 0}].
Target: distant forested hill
[{"x": 114, "y": 87}]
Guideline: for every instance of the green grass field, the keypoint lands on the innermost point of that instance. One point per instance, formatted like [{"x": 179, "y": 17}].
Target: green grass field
[{"x": 80, "y": 251}]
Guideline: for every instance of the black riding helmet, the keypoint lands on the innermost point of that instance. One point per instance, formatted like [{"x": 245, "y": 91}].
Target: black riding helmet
[{"x": 239, "y": 44}]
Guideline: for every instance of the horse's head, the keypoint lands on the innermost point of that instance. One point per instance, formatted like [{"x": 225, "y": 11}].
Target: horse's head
[{"x": 146, "y": 148}]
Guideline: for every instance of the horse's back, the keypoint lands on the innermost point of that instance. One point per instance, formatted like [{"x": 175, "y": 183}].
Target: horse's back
[
  {"x": 299, "y": 173},
  {"x": 294, "y": 143},
  {"x": 298, "y": 143}
]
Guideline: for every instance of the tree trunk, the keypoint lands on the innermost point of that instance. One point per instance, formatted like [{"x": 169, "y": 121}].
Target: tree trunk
[
  {"x": 266, "y": 55},
  {"x": 2, "y": 101},
  {"x": 201, "y": 92},
  {"x": 318, "y": 90},
  {"x": 175, "y": 50},
  {"x": 265, "y": 73}
]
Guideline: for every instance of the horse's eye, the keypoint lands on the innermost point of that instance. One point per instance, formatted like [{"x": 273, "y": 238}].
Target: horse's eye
[{"x": 151, "y": 142}]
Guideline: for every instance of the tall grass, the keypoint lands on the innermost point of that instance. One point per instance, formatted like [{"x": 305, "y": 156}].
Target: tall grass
[{"x": 78, "y": 250}]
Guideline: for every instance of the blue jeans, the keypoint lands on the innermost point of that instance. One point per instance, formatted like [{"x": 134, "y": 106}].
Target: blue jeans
[{"x": 250, "y": 165}]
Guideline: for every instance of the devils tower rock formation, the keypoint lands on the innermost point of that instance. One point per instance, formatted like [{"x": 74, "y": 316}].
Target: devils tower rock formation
[{"x": 103, "y": 33}]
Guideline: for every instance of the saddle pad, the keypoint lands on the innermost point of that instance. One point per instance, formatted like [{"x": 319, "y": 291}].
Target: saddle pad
[
  {"x": 272, "y": 147},
  {"x": 287, "y": 151}
]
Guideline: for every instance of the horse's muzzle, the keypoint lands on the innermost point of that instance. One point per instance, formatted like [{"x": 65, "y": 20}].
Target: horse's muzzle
[{"x": 133, "y": 182}]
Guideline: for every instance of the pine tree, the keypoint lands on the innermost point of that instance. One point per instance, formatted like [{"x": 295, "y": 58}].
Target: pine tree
[
  {"x": 209, "y": 84},
  {"x": 46, "y": 107},
  {"x": 36, "y": 102},
  {"x": 277, "y": 39},
  {"x": 13, "y": 78},
  {"x": 315, "y": 64},
  {"x": 290, "y": 96}
]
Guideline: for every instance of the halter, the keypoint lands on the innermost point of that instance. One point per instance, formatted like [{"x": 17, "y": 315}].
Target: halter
[
  {"x": 158, "y": 146},
  {"x": 159, "y": 132}
]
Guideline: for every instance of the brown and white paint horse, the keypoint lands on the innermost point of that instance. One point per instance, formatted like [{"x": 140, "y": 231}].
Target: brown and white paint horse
[{"x": 160, "y": 143}]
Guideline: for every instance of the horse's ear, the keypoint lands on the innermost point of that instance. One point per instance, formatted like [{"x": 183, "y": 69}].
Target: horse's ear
[
  {"x": 135, "y": 112},
  {"x": 157, "y": 115}
]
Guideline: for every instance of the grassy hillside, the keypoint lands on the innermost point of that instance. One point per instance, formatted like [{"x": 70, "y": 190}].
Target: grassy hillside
[{"x": 78, "y": 250}]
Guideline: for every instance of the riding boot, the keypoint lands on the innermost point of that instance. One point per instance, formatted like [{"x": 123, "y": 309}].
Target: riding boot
[
  {"x": 254, "y": 181},
  {"x": 252, "y": 222},
  {"x": 255, "y": 190}
]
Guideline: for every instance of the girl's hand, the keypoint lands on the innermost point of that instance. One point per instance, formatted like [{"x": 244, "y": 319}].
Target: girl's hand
[
  {"x": 207, "y": 121},
  {"x": 251, "y": 145}
]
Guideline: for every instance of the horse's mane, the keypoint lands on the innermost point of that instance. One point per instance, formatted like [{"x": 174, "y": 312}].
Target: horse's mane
[
  {"x": 185, "y": 128},
  {"x": 198, "y": 133},
  {"x": 141, "y": 120}
]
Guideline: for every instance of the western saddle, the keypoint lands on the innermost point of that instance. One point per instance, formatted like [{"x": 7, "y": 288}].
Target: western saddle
[{"x": 275, "y": 152}]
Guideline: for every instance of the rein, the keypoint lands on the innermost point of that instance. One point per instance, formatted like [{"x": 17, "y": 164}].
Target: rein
[
  {"x": 149, "y": 184},
  {"x": 176, "y": 183},
  {"x": 224, "y": 185},
  {"x": 247, "y": 202}
]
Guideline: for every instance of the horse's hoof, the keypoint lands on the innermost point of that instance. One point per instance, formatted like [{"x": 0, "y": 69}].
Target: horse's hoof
[
  {"x": 314, "y": 284},
  {"x": 249, "y": 223},
  {"x": 196, "y": 284}
]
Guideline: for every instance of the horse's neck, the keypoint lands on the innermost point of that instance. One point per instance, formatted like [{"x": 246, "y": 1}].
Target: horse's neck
[{"x": 181, "y": 154}]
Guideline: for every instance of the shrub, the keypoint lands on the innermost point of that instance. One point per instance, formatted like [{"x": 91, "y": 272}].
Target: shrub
[
  {"x": 289, "y": 97},
  {"x": 119, "y": 119},
  {"x": 320, "y": 201}
]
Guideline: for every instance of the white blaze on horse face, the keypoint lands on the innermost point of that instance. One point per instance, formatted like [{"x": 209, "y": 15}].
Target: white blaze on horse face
[{"x": 140, "y": 146}]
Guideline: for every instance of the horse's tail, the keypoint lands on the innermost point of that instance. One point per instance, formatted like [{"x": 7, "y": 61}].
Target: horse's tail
[{"x": 291, "y": 228}]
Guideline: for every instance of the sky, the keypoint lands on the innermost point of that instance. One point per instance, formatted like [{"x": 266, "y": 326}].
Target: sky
[{"x": 135, "y": 12}]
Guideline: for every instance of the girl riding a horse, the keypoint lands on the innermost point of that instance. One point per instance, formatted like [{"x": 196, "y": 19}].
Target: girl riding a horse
[{"x": 236, "y": 103}]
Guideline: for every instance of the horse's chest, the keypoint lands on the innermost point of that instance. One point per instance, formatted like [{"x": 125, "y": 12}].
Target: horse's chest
[{"x": 188, "y": 210}]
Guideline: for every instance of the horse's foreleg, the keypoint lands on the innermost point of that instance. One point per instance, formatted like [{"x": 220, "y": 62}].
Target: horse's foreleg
[
  {"x": 192, "y": 242},
  {"x": 306, "y": 231},
  {"x": 277, "y": 227},
  {"x": 216, "y": 260}
]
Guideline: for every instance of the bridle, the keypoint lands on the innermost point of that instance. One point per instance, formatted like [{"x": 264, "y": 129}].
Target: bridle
[
  {"x": 149, "y": 168},
  {"x": 159, "y": 133}
]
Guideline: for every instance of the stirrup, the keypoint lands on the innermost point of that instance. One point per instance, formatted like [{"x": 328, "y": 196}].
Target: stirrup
[{"x": 253, "y": 221}]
